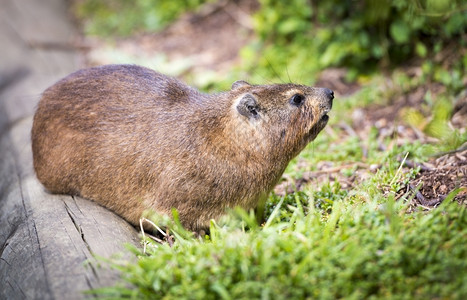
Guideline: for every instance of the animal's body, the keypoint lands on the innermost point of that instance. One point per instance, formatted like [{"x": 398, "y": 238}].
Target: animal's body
[{"x": 133, "y": 139}]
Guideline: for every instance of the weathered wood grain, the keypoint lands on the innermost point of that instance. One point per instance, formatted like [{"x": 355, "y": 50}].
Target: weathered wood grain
[{"x": 48, "y": 243}]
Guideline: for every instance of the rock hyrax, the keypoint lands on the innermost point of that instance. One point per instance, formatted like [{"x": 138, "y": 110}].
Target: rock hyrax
[{"x": 132, "y": 139}]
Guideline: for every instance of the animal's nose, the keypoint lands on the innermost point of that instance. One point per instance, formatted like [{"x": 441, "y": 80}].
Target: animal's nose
[
  {"x": 328, "y": 97},
  {"x": 329, "y": 93}
]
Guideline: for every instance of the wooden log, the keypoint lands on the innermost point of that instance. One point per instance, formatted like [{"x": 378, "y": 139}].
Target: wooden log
[{"x": 48, "y": 243}]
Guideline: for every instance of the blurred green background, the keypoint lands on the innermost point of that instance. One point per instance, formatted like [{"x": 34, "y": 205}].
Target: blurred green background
[{"x": 363, "y": 36}]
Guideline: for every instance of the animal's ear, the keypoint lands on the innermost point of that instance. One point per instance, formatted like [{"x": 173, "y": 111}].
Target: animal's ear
[
  {"x": 239, "y": 83},
  {"x": 248, "y": 107}
]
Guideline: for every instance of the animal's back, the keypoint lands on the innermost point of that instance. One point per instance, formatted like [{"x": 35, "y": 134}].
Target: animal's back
[{"x": 120, "y": 124}]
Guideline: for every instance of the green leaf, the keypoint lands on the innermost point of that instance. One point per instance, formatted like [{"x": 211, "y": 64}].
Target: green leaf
[
  {"x": 290, "y": 25},
  {"x": 420, "y": 49},
  {"x": 400, "y": 32}
]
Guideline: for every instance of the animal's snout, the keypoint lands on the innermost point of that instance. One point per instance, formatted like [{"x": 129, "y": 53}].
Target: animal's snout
[
  {"x": 329, "y": 93},
  {"x": 327, "y": 97}
]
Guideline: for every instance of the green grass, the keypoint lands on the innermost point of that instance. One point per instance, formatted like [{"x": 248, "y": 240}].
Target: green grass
[{"x": 363, "y": 249}]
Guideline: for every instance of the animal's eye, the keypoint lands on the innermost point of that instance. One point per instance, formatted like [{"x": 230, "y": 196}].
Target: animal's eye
[
  {"x": 252, "y": 110},
  {"x": 297, "y": 99}
]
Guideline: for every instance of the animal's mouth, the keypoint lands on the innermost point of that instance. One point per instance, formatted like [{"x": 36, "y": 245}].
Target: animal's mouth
[
  {"x": 322, "y": 122},
  {"x": 324, "y": 118},
  {"x": 317, "y": 127}
]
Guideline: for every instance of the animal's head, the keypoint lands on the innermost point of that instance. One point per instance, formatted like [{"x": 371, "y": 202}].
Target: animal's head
[{"x": 280, "y": 119}]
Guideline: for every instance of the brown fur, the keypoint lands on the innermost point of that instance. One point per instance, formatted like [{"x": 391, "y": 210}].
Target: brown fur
[{"x": 132, "y": 139}]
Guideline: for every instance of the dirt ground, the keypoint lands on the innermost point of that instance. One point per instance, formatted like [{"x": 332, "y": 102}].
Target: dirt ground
[
  {"x": 440, "y": 176},
  {"x": 213, "y": 37}
]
